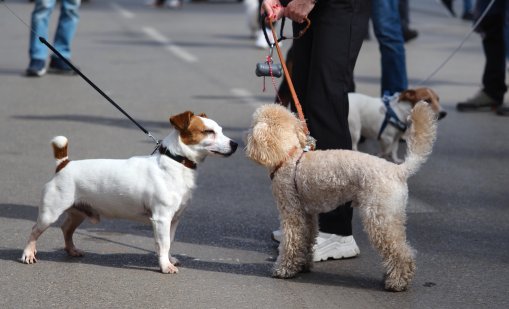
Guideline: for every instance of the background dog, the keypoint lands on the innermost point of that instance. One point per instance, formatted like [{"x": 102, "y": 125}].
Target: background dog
[
  {"x": 369, "y": 117},
  {"x": 151, "y": 189},
  {"x": 308, "y": 183}
]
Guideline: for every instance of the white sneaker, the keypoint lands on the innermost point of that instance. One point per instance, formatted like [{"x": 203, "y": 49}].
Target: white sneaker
[
  {"x": 329, "y": 246},
  {"x": 332, "y": 246}
]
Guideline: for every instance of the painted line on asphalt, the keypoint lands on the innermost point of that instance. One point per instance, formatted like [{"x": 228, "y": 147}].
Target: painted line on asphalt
[
  {"x": 246, "y": 97},
  {"x": 123, "y": 12},
  {"x": 169, "y": 46}
]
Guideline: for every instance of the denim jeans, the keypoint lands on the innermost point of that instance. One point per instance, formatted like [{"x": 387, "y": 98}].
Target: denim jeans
[
  {"x": 67, "y": 23},
  {"x": 387, "y": 28}
]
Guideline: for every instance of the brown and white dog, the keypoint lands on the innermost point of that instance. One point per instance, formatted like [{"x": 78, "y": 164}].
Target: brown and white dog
[
  {"x": 151, "y": 189},
  {"x": 371, "y": 118}
]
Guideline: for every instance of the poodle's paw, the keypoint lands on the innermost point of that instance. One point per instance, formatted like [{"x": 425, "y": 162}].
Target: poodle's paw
[
  {"x": 283, "y": 272},
  {"x": 73, "y": 251},
  {"x": 396, "y": 284}
]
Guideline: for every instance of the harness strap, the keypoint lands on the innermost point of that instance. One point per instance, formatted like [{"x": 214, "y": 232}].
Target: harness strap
[{"x": 390, "y": 117}]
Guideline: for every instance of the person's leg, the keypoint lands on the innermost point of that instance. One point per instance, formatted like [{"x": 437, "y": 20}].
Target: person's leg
[
  {"x": 467, "y": 6},
  {"x": 387, "y": 28},
  {"x": 491, "y": 29},
  {"x": 39, "y": 24},
  {"x": 323, "y": 69},
  {"x": 67, "y": 24},
  {"x": 493, "y": 41},
  {"x": 403, "y": 14}
]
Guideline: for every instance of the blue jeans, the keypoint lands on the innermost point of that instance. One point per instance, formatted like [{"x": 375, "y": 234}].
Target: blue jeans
[
  {"x": 387, "y": 28},
  {"x": 67, "y": 23},
  {"x": 467, "y": 6}
]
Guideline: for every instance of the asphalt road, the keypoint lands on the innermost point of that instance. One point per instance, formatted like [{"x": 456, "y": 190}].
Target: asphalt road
[{"x": 156, "y": 63}]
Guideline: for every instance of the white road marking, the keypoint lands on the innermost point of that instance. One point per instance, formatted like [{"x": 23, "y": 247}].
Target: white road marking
[
  {"x": 123, "y": 12},
  {"x": 169, "y": 46},
  {"x": 246, "y": 97}
]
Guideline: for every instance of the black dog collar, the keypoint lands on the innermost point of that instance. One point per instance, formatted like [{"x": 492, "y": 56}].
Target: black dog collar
[{"x": 180, "y": 159}]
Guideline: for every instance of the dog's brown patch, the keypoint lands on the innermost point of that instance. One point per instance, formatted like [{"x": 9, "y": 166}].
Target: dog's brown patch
[
  {"x": 192, "y": 129},
  {"x": 62, "y": 165},
  {"x": 421, "y": 94},
  {"x": 87, "y": 210}
]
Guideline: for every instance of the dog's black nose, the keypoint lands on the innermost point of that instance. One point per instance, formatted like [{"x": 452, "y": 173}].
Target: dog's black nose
[
  {"x": 233, "y": 146},
  {"x": 442, "y": 114}
]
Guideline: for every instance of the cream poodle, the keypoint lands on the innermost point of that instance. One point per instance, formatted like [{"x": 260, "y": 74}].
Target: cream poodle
[{"x": 308, "y": 183}]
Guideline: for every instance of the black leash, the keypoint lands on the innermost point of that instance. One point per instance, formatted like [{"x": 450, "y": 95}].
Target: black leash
[{"x": 43, "y": 41}]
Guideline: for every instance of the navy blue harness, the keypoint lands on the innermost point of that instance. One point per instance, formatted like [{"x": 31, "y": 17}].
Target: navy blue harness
[{"x": 390, "y": 117}]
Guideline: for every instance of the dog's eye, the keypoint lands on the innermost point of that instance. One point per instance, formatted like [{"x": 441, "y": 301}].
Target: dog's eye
[
  {"x": 208, "y": 131},
  {"x": 427, "y": 100}
]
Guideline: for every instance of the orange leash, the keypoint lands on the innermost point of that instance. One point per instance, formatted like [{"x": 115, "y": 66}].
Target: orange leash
[{"x": 311, "y": 140}]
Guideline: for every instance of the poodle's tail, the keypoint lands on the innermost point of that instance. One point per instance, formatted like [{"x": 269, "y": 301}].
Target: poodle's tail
[
  {"x": 59, "y": 144},
  {"x": 423, "y": 131}
]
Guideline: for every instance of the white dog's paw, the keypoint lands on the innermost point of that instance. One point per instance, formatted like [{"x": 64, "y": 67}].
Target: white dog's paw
[
  {"x": 28, "y": 257},
  {"x": 169, "y": 268}
]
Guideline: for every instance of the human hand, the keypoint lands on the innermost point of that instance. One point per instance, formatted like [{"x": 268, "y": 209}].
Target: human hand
[
  {"x": 298, "y": 10},
  {"x": 273, "y": 9}
]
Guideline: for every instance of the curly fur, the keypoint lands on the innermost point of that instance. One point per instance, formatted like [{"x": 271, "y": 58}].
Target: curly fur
[{"x": 324, "y": 179}]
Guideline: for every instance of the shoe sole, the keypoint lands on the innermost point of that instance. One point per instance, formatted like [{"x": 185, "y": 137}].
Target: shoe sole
[
  {"x": 463, "y": 108},
  {"x": 353, "y": 253},
  {"x": 35, "y": 73},
  {"x": 62, "y": 72}
]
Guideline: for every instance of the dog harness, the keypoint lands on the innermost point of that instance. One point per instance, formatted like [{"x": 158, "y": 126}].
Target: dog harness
[
  {"x": 180, "y": 159},
  {"x": 390, "y": 116},
  {"x": 290, "y": 154}
]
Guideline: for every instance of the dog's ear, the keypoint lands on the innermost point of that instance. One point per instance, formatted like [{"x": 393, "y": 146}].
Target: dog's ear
[
  {"x": 203, "y": 115},
  {"x": 299, "y": 130},
  {"x": 263, "y": 146},
  {"x": 181, "y": 121},
  {"x": 409, "y": 96}
]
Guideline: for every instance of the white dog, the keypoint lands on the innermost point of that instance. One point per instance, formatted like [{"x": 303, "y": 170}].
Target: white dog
[
  {"x": 371, "y": 118},
  {"x": 151, "y": 189}
]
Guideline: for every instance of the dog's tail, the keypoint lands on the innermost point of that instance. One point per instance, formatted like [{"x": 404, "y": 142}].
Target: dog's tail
[
  {"x": 59, "y": 144},
  {"x": 423, "y": 131}
]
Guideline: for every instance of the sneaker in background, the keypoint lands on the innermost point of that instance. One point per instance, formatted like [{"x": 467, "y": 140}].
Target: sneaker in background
[
  {"x": 478, "y": 101},
  {"x": 36, "y": 68},
  {"x": 58, "y": 66},
  {"x": 261, "y": 42}
]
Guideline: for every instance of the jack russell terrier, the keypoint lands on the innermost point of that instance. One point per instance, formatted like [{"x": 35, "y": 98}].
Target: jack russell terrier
[
  {"x": 386, "y": 119},
  {"x": 151, "y": 189}
]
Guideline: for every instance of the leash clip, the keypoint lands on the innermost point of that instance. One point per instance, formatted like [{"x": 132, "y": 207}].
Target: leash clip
[{"x": 310, "y": 143}]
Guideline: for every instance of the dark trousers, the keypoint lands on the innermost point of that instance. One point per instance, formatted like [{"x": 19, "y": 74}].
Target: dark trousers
[
  {"x": 493, "y": 42},
  {"x": 324, "y": 60}
]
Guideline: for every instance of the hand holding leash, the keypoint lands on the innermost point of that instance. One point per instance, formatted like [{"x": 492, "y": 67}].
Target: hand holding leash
[{"x": 298, "y": 10}]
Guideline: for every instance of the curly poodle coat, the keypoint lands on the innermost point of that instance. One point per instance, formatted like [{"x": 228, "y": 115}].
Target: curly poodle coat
[{"x": 308, "y": 183}]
